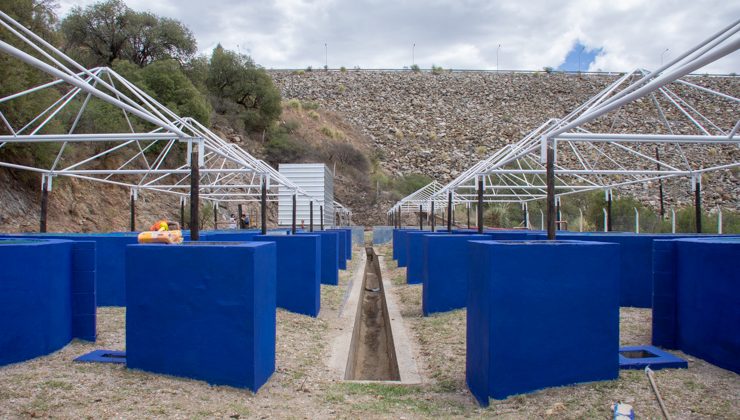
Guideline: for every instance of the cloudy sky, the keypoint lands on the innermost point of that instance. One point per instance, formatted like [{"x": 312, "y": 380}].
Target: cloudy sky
[{"x": 610, "y": 35}]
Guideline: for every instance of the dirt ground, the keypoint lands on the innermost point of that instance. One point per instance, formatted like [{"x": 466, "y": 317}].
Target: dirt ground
[{"x": 303, "y": 386}]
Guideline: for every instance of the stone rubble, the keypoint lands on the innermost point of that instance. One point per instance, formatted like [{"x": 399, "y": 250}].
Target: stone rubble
[{"x": 440, "y": 125}]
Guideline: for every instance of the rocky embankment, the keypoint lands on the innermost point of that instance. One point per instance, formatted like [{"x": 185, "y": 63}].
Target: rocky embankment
[{"x": 442, "y": 124}]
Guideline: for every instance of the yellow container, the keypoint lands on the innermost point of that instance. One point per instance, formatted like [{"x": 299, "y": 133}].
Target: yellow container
[{"x": 164, "y": 237}]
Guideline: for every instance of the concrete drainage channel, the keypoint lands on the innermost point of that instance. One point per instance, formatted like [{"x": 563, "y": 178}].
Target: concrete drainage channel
[
  {"x": 372, "y": 354},
  {"x": 374, "y": 346}
]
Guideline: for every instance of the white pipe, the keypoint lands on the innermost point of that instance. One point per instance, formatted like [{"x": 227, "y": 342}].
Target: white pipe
[
  {"x": 580, "y": 224},
  {"x": 637, "y": 220},
  {"x": 673, "y": 221},
  {"x": 605, "y": 221},
  {"x": 719, "y": 220},
  {"x": 542, "y": 220}
]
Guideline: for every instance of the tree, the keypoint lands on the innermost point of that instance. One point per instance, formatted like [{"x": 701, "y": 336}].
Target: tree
[
  {"x": 238, "y": 86},
  {"x": 104, "y": 32},
  {"x": 166, "y": 82}
]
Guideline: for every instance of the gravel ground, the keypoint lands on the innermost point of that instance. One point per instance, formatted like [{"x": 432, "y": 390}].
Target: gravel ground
[{"x": 303, "y": 385}]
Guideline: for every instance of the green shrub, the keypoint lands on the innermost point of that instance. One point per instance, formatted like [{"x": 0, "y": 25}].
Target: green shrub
[
  {"x": 309, "y": 105},
  {"x": 548, "y": 69},
  {"x": 343, "y": 69},
  {"x": 313, "y": 115},
  {"x": 407, "y": 184},
  {"x": 332, "y": 133},
  {"x": 294, "y": 104},
  {"x": 415, "y": 68},
  {"x": 437, "y": 69}
]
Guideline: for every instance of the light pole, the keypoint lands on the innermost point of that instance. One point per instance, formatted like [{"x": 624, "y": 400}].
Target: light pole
[
  {"x": 413, "y": 47},
  {"x": 497, "y": 50},
  {"x": 326, "y": 56},
  {"x": 661, "y": 56}
]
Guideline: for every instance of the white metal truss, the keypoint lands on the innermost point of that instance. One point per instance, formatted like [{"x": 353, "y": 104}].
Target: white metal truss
[
  {"x": 594, "y": 149},
  {"x": 155, "y": 152}
]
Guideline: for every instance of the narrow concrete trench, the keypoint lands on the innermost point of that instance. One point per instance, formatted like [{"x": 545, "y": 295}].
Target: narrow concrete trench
[{"x": 372, "y": 354}]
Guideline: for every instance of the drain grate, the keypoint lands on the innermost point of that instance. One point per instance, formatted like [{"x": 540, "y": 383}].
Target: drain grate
[
  {"x": 640, "y": 357},
  {"x": 103, "y": 356}
]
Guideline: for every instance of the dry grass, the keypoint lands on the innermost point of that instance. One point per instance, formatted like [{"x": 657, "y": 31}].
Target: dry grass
[{"x": 303, "y": 385}]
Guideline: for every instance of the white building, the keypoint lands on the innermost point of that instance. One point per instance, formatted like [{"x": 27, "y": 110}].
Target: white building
[{"x": 317, "y": 181}]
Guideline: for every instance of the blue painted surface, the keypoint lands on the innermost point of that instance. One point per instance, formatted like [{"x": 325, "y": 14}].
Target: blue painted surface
[
  {"x": 358, "y": 235},
  {"x": 540, "y": 314},
  {"x": 415, "y": 255},
  {"x": 706, "y": 285},
  {"x": 229, "y": 235},
  {"x": 400, "y": 244},
  {"x": 109, "y": 264},
  {"x": 658, "y": 359},
  {"x": 103, "y": 356},
  {"x": 445, "y": 271},
  {"x": 205, "y": 312},
  {"x": 329, "y": 256},
  {"x": 341, "y": 248},
  {"x": 46, "y": 293},
  {"x": 298, "y": 272}
]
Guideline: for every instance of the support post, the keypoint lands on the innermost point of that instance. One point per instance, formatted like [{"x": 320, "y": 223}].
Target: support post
[
  {"x": 467, "y": 209},
  {"x": 293, "y": 227},
  {"x": 240, "y": 212},
  {"x": 310, "y": 216},
  {"x": 697, "y": 201},
  {"x": 263, "y": 205},
  {"x": 557, "y": 213},
  {"x": 421, "y": 219},
  {"x": 524, "y": 215},
  {"x": 215, "y": 215},
  {"x": 660, "y": 184},
  {"x": 608, "y": 210},
  {"x": 449, "y": 211},
  {"x": 45, "y": 181},
  {"x": 182, "y": 212},
  {"x": 550, "y": 169},
  {"x": 434, "y": 218},
  {"x": 321, "y": 211},
  {"x": 132, "y": 207},
  {"x": 719, "y": 220},
  {"x": 479, "y": 209},
  {"x": 194, "y": 194}
]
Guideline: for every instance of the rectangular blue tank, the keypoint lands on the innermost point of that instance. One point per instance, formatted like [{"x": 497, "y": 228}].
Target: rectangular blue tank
[
  {"x": 702, "y": 277},
  {"x": 540, "y": 314},
  {"x": 342, "y": 248},
  {"x": 329, "y": 256},
  {"x": 298, "y": 272},
  {"x": 382, "y": 235},
  {"x": 202, "y": 311},
  {"x": 415, "y": 256},
  {"x": 47, "y": 296},
  {"x": 445, "y": 271},
  {"x": 400, "y": 245}
]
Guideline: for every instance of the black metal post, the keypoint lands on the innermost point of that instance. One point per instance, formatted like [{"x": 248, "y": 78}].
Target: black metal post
[
  {"x": 660, "y": 185},
  {"x": 449, "y": 211},
  {"x": 609, "y": 210},
  {"x": 310, "y": 216},
  {"x": 132, "y": 206},
  {"x": 697, "y": 204},
  {"x": 467, "y": 208},
  {"x": 434, "y": 217},
  {"x": 524, "y": 210},
  {"x": 240, "y": 212},
  {"x": 550, "y": 190},
  {"x": 321, "y": 214},
  {"x": 182, "y": 213},
  {"x": 294, "y": 215},
  {"x": 479, "y": 208},
  {"x": 263, "y": 206},
  {"x": 215, "y": 215},
  {"x": 194, "y": 194},
  {"x": 421, "y": 220},
  {"x": 557, "y": 213},
  {"x": 44, "y": 204}
]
